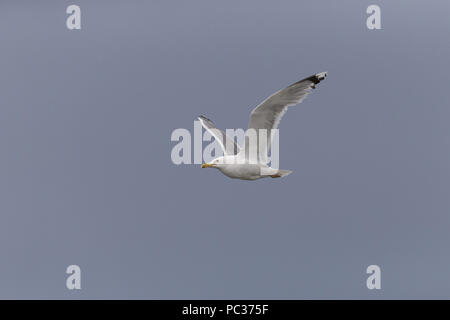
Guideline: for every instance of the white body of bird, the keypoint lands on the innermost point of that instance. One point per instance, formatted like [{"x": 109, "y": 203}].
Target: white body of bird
[{"x": 230, "y": 166}]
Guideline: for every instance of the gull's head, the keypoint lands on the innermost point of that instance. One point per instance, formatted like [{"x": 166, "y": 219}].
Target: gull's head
[{"x": 216, "y": 163}]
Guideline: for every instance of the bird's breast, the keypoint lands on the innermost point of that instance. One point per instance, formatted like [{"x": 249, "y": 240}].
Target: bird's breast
[{"x": 242, "y": 171}]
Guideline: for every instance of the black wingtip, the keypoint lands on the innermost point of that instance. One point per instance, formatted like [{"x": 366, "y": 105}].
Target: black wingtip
[{"x": 317, "y": 78}]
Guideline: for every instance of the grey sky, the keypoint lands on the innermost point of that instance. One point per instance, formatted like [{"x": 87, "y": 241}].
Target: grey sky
[{"x": 86, "y": 176}]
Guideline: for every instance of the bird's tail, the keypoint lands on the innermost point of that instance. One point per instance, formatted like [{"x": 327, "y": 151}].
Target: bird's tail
[{"x": 281, "y": 173}]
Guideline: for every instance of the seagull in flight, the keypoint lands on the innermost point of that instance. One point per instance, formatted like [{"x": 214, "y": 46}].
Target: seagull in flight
[{"x": 250, "y": 162}]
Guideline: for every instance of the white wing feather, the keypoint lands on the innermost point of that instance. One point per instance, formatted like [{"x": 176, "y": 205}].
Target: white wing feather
[
  {"x": 267, "y": 114},
  {"x": 229, "y": 147}
]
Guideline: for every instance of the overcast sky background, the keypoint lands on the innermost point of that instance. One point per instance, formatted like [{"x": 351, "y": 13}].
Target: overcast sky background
[{"x": 86, "y": 176}]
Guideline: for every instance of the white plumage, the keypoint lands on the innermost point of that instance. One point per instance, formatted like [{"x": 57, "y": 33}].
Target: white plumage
[{"x": 249, "y": 163}]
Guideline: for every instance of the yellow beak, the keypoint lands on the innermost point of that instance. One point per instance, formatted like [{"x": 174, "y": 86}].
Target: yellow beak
[{"x": 207, "y": 165}]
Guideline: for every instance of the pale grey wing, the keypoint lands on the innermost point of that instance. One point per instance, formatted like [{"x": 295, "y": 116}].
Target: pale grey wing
[
  {"x": 267, "y": 114},
  {"x": 227, "y": 144}
]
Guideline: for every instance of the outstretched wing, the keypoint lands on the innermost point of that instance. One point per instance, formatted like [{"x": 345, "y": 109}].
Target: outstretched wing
[
  {"x": 267, "y": 115},
  {"x": 227, "y": 144}
]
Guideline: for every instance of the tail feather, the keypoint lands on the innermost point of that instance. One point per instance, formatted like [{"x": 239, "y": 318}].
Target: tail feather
[{"x": 281, "y": 173}]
